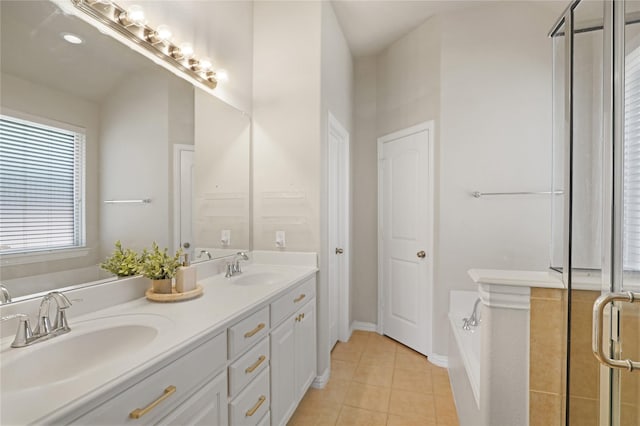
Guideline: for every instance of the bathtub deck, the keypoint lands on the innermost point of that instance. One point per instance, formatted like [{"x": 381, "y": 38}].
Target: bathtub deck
[{"x": 377, "y": 381}]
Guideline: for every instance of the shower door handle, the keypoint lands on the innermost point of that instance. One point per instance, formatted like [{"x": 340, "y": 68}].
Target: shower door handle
[{"x": 598, "y": 327}]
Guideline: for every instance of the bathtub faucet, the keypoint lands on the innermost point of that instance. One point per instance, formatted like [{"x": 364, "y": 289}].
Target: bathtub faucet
[
  {"x": 474, "y": 319},
  {"x": 5, "y": 296}
]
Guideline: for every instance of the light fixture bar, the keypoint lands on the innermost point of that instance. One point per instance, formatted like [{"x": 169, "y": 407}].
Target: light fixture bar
[{"x": 118, "y": 18}]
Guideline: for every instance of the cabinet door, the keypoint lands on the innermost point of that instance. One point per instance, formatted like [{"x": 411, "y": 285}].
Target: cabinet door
[
  {"x": 206, "y": 407},
  {"x": 305, "y": 337},
  {"x": 283, "y": 383}
]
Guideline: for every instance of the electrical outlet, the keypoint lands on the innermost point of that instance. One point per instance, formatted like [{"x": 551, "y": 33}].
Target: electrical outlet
[{"x": 225, "y": 237}]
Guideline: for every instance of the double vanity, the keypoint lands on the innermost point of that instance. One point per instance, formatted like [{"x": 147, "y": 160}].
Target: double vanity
[{"x": 242, "y": 354}]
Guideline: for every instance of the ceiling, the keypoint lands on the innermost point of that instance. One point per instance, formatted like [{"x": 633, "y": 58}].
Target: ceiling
[
  {"x": 370, "y": 25},
  {"x": 31, "y": 46}
]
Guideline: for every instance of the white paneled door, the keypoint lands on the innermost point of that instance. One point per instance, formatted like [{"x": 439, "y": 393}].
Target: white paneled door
[
  {"x": 405, "y": 236},
  {"x": 338, "y": 230},
  {"x": 184, "y": 168}
]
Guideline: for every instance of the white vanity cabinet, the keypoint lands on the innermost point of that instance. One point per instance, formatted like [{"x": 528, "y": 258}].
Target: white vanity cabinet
[
  {"x": 178, "y": 390},
  {"x": 293, "y": 351},
  {"x": 206, "y": 407},
  {"x": 253, "y": 372}
]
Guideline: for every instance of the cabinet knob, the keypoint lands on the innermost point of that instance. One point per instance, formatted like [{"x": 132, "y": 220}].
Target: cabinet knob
[
  {"x": 339, "y": 250},
  {"x": 421, "y": 254}
]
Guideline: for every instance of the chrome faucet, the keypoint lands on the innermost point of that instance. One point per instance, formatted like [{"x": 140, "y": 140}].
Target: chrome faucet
[
  {"x": 44, "y": 330},
  {"x": 205, "y": 252},
  {"x": 474, "y": 319},
  {"x": 5, "y": 296},
  {"x": 233, "y": 267}
]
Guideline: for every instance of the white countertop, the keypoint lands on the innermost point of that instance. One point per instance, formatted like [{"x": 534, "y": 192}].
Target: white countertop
[
  {"x": 221, "y": 304},
  {"x": 545, "y": 279}
]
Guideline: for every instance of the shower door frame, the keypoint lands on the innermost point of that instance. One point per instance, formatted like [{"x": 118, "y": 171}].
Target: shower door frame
[{"x": 612, "y": 181}]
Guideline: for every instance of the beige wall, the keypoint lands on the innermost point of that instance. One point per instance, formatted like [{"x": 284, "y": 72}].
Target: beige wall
[
  {"x": 286, "y": 119},
  {"x": 495, "y": 135},
  {"x": 134, "y": 163},
  {"x": 23, "y": 96},
  {"x": 221, "y": 174},
  {"x": 220, "y": 29},
  {"x": 364, "y": 162},
  {"x": 484, "y": 75},
  {"x": 337, "y": 99},
  {"x": 302, "y": 69}
]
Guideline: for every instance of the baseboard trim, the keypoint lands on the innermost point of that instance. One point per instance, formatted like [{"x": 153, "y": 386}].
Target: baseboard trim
[
  {"x": 363, "y": 326},
  {"x": 321, "y": 381},
  {"x": 439, "y": 360}
]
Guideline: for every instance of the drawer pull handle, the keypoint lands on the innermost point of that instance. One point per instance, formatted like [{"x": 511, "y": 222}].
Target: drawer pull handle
[
  {"x": 139, "y": 412},
  {"x": 299, "y": 298},
  {"x": 251, "y": 368},
  {"x": 261, "y": 400},
  {"x": 254, "y": 331}
]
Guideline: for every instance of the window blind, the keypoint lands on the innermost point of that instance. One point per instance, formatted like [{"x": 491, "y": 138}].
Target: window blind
[
  {"x": 41, "y": 186},
  {"x": 631, "y": 191}
]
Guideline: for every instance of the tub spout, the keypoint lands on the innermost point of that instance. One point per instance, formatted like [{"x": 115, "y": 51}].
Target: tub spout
[{"x": 474, "y": 319}]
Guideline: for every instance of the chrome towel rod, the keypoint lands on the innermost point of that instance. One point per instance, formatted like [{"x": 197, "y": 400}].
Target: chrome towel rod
[
  {"x": 477, "y": 194},
  {"x": 142, "y": 201}
]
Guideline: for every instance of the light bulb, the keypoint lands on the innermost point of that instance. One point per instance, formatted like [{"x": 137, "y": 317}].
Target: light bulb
[
  {"x": 135, "y": 14},
  {"x": 205, "y": 64},
  {"x": 163, "y": 32},
  {"x": 161, "y": 35},
  {"x": 187, "y": 50}
]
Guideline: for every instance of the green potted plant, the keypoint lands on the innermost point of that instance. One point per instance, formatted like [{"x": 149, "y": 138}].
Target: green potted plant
[
  {"x": 122, "y": 262},
  {"x": 160, "y": 267}
]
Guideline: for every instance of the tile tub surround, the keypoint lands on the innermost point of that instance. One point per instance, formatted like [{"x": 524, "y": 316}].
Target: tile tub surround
[
  {"x": 548, "y": 356},
  {"x": 378, "y": 381},
  {"x": 220, "y": 305}
]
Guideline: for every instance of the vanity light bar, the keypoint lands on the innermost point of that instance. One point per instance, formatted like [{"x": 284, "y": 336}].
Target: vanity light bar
[{"x": 132, "y": 24}]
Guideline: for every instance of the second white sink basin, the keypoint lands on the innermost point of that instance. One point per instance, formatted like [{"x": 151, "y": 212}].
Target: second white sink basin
[
  {"x": 87, "y": 346},
  {"x": 255, "y": 278}
]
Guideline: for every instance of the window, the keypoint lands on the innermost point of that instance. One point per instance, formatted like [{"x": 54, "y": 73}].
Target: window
[
  {"x": 41, "y": 186},
  {"x": 631, "y": 192}
]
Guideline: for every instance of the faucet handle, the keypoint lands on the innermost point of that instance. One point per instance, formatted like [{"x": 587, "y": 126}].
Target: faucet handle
[{"x": 23, "y": 333}]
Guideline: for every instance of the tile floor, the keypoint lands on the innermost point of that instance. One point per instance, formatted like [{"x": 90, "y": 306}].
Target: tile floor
[{"x": 377, "y": 381}]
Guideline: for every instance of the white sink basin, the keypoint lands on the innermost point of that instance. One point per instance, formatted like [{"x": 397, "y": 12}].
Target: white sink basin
[
  {"x": 256, "y": 278},
  {"x": 87, "y": 346}
]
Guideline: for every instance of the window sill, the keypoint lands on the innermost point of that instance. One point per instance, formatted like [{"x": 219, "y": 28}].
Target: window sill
[{"x": 42, "y": 256}]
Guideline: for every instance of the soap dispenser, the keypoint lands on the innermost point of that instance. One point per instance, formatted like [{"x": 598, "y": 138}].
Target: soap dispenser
[{"x": 186, "y": 276}]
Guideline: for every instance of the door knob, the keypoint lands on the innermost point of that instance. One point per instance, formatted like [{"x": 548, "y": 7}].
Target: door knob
[
  {"x": 421, "y": 254},
  {"x": 339, "y": 251}
]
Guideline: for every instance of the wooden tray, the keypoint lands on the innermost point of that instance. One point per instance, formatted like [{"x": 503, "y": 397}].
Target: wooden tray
[{"x": 174, "y": 296}]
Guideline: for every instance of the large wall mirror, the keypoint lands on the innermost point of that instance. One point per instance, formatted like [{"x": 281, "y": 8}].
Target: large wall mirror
[{"x": 101, "y": 144}]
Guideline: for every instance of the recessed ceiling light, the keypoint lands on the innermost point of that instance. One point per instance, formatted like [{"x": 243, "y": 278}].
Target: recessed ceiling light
[{"x": 72, "y": 38}]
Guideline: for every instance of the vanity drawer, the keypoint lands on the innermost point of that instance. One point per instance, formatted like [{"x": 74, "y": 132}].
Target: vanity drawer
[
  {"x": 248, "y": 332},
  {"x": 293, "y": 300},
  {"x": 167, "y": 387},
  {"x": 250, "y": 406},
  {"x": 248, "y": 366}
]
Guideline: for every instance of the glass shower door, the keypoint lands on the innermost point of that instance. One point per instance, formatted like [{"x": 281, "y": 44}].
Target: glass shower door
[
  {"x": 600, "y": 163},
  {"x": 625, "y": 384}
]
